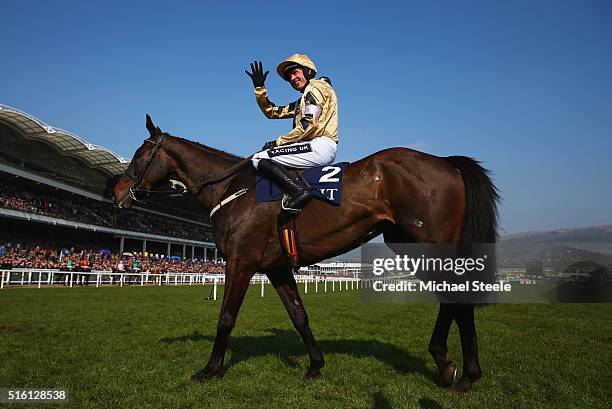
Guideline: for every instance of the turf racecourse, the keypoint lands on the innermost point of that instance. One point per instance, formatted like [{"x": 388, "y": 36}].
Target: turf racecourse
[{"x": 136, "y": 347}]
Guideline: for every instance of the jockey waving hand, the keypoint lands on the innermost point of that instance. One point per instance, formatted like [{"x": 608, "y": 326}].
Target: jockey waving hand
[{"x": 314, "y": 138}]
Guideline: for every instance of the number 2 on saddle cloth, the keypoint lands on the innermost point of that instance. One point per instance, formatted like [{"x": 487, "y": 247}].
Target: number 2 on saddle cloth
[{"x": 325, "y": 182}]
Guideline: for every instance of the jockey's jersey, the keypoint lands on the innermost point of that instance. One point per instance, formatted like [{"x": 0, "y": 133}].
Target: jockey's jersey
[{"x": 314, "y": 115}]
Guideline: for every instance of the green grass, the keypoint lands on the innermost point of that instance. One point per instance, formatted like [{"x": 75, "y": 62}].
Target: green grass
[{"x": 137, "y": 347}]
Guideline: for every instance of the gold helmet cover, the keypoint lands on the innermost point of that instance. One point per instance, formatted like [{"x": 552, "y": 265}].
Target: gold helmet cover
[{"x": 294, "y": 61}]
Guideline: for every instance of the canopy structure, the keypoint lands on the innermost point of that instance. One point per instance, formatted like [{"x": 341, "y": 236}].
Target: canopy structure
[
  {"x": 66, "y": 143},
  {"x": 46, "y": 154}
]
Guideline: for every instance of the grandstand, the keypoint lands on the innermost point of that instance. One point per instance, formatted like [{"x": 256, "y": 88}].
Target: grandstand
[
  {"x": 335, "y": 268},
  {"x": 55, "y": 203}
]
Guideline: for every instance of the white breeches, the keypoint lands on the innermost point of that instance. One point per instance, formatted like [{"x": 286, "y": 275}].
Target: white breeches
[{"x": 320, "y": 151}]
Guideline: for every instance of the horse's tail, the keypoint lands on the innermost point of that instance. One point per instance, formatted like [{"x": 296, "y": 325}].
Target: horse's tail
[{"x": 480, "y": 220}]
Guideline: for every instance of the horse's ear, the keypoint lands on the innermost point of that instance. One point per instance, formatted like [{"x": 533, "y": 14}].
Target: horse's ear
[{"x": 154, "y": 131}]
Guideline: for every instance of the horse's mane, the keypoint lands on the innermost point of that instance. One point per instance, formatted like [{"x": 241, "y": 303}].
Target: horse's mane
[{"x": 214, "y": 151}]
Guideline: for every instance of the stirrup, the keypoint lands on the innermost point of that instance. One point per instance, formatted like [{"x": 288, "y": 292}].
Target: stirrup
[{"x": 288, "y": 209}]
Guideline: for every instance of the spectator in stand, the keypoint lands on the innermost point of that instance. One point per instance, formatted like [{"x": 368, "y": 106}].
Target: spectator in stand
[
  {"x": 136, "y": 265},
  {"x": 84, "y": 264}
]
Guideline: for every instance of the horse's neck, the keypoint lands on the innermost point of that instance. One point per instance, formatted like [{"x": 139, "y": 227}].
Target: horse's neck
[{"x": 195, "y": 164}]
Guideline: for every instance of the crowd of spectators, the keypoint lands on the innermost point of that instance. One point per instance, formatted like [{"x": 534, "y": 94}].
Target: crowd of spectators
[
  {"x": 89, "y": 211},
  {"x": 36, "y": 256},
  {"x": 13, "y": 198}
]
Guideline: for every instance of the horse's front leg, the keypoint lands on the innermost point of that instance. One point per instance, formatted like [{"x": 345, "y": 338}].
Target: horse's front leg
[
  {"x": 285, "y": 286},
  {"x": 236, "y": 284}
]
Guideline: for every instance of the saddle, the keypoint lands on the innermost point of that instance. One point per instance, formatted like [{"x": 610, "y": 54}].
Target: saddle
[{"x": 325, "y": 183}]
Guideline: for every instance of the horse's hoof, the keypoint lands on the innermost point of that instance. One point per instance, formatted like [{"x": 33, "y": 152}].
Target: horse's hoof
[
  {"x": 203, "y": 375},
  {"x": 460, "y": 387},
  {"x": 312, "y": 374},
  {"x": 449, "y": 374},
  {"x": 452, "y": 391}
]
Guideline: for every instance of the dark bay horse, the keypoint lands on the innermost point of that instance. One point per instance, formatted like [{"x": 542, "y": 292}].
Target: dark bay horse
[{"x": 406, "y": 195}]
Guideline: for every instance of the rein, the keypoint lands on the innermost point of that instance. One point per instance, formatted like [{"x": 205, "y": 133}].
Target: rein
[
  {"x": 224, "y": 176},
  {"x": 131, "y": 193}
]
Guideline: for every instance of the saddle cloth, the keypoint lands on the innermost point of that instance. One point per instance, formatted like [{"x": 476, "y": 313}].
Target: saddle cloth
[{"x": 325, "y": 182}]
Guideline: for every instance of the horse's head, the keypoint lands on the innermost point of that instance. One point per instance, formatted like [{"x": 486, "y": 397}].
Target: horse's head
[{"x": 147, "y": 168}]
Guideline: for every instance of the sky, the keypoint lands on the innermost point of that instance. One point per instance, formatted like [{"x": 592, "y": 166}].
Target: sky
[{"x": 524, "y": 86}]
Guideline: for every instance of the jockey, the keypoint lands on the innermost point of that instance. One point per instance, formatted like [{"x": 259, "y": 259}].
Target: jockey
[{"x": 314, "y": 138}]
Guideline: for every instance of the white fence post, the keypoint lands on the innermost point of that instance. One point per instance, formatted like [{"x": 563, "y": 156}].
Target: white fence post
[
  {"x": 262, "y": 288},
  {"x": 215, "y": 289},
  {"x": 317, "y": 285},
  {"x": 2, "y": 281},
  {"x": 306, "y": 286}
]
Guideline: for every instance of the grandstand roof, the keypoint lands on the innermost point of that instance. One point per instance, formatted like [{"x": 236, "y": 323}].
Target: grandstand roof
[
  {"x": 28, "y": 146},
  {"x": 97, "y": 157}
]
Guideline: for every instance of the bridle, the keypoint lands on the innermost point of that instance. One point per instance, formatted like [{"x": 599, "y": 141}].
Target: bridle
[{"x": 131, "y": 193}]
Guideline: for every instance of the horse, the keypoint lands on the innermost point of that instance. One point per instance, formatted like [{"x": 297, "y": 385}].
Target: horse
[{"x": 406, "y": 195}]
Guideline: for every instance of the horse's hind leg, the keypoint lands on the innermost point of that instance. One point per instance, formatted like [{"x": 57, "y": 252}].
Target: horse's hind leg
[
  {"x": 236, "y": 285},
  {"x": 438, "y": 344},
  {"x": 285, "y": 286},
  {"x": 464, "y": 316}
]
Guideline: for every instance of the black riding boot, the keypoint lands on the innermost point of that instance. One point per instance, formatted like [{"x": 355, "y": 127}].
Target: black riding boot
[{"x": 298, "y": 195}]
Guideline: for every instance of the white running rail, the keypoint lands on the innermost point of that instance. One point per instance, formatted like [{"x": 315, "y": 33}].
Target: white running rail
[{"x": 57, "y": 278}]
